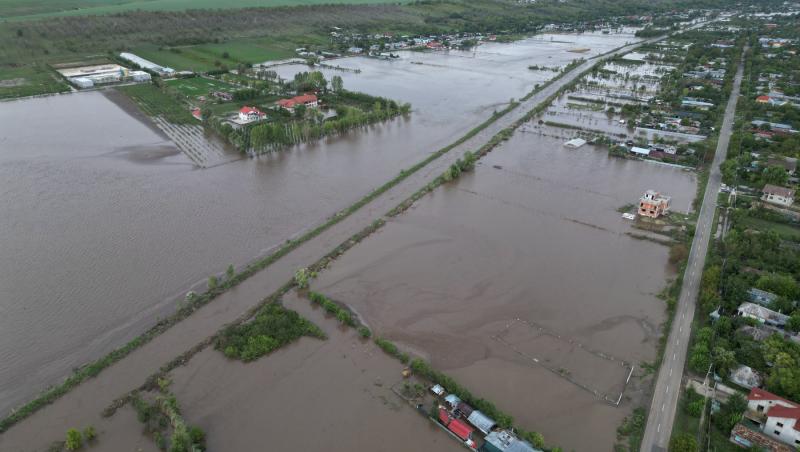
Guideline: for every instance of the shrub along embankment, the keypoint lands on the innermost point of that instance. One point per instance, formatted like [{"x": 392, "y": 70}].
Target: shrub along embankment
[{"x": 163, "y": 421}]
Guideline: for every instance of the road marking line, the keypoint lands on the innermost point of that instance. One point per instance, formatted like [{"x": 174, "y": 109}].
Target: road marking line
[
  {"x": 662, "y": 407},
  {"x": 659, "y": 428},
  {"x": 674, "y": 356},
  {"x": 670, "y": 371}
]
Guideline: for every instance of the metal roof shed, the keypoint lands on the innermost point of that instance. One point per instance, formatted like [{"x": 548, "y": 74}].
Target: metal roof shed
[
  {"x": 465, "y": 409},
  {"x": 481, "y": 421},
  {"x": 452, "y": 400},
  {"x": 504, "y": 441}
]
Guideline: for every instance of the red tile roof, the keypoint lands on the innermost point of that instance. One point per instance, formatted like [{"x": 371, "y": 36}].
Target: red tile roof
[
  {"x": 760, "y": 394},
  {"x": 304, "y": 99},
  {"x": 787, "y": 413},
  {"x": 762, "y": 99},
  {"x": 247, "y": 110},
  {"x": 461, "y": 429}
]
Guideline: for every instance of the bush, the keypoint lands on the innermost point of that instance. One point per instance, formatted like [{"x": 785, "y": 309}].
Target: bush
[
  {"x": 273, "y": 327},
  {"x": 198, "y": 437},
  {"x": 89, "y": 433},
  {"x": 364, "y": 332},
  {"x": 74, "y": 439},
  {"x": 683, "y": 442}
]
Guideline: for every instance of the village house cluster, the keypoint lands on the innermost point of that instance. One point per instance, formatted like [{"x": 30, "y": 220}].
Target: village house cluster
[{"x": 466, "y": 424}]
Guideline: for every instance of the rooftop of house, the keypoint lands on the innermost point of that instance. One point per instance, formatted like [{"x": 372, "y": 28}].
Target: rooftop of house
[
  {"x": 786, "y": 413},
  {"x": 760, "y": 394},
  {"x": 248, "y": 110},
  {"x": 761, "y": 312},
  {"x": 779, "y": 191}
]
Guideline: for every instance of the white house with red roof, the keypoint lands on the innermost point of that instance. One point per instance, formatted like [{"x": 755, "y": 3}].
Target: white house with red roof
[
  {"x": 250, "y": 114},
  {"x": 781, "y": 417}
]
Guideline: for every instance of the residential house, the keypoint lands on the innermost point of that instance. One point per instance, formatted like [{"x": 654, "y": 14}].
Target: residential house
[
  {"x": 505, "y": 441},
  {"x": 308, "y": 100},
  {"x": 788, "y": 163},
  {"x": 652, "y": 204},
  {"x": 777, "y": 417},
  {"x": 250, "y": 114},
  {"x": 774, "y": 194},
  {"x": 761, "y": 297},
  {"x": 762, "y": 314}
]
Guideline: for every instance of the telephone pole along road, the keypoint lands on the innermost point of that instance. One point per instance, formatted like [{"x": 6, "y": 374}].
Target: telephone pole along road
[{"x": 667, "y": 389}]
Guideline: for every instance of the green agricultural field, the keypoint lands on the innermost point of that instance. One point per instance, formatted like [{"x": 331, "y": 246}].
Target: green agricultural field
[
  {"x": 207, "y": 57},
  {"x": 198, "y": 86},
  {"x": 28, "y": 81},
  {"x": 16, "y": 10}
]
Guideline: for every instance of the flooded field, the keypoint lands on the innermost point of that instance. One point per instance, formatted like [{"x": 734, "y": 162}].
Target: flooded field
[
  {"x": 332, "y": 395},
  {"x": 107, "y": 223},
  {"x": 533, "y": 236}
]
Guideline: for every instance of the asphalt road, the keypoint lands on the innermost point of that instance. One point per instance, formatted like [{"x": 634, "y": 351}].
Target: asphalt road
[{"x": 668, "y": 385}]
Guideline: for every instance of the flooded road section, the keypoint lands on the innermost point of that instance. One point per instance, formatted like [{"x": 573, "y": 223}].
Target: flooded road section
[
  {"x": 332, "y": 395},
  {"x": 106, "y": 223},
  {"x": 532, "y": 236}
]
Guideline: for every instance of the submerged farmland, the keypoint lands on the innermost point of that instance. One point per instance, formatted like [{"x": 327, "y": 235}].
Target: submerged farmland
[{"x": 146, "y": 210}]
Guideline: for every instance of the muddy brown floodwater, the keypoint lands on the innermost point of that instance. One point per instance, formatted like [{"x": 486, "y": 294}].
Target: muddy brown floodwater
[
  {"x": 532, "y": 236},
  {"x": 330, "y": 395},
  {"x": 105, "y": 223}
]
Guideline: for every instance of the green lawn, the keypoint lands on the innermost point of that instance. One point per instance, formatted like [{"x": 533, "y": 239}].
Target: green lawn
[
  {"x": 787, "y": 232},
  {"x": 28, "y": 81},
  {"x": 36, "y": 9},
  {"x": 154, "y": 102},
  {"x": 198, "y": 86}
]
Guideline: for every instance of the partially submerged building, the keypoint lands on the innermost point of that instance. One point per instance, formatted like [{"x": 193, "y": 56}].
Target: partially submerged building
[
  {"x": 652, "y": 204},
  {"x": 506, "y": 441},
  {"x": 481, "y": 421}
]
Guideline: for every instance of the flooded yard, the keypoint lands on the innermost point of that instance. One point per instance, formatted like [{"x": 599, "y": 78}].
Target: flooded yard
[
  {"x": 107, "y": 224},
  {"x": 533, "y": 236}
]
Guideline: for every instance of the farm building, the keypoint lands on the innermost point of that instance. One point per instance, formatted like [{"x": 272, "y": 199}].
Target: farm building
[
  {"x": 146, "y": 64},
  {"x": 308, "y": 100},
  {"x": 575, "y": 143}
]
